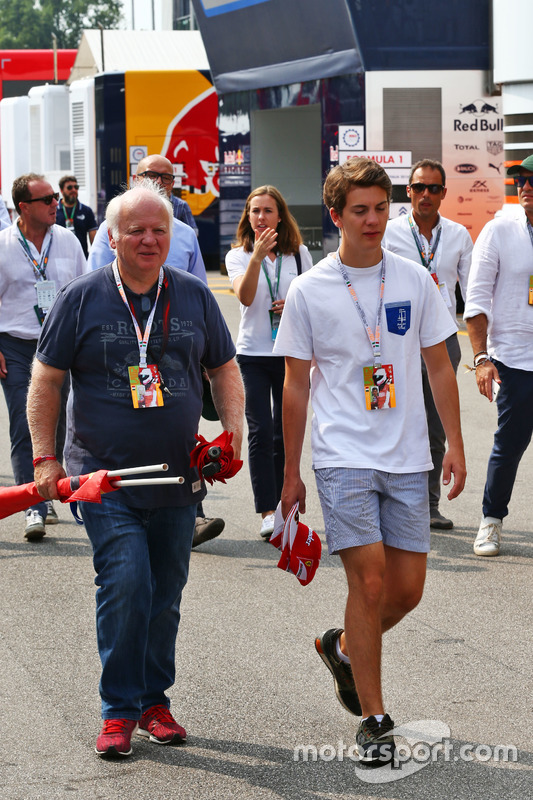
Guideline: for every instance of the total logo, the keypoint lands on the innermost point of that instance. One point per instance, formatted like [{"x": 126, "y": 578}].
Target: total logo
[{"x": 465, "y": 169}]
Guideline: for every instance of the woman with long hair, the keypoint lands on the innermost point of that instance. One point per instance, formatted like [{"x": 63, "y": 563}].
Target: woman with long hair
[{"x": 266, "y": 256}]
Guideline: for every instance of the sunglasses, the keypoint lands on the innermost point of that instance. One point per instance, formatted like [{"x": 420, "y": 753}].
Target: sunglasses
[
  {"x": 165, "y": 177},
  {"x": 71, "y": 187},
  {"x": 48, "y": 199},
  {"x": 521, "y": 180},
  {"x": 433, "y": 188}
]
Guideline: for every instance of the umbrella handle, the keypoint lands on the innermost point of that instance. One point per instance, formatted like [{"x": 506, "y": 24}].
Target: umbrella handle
[{"x": 147, "y": 481}]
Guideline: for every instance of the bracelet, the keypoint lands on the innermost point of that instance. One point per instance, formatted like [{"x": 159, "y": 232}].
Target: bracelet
[
  {"x": 480, "y": 358},
  {"x": 480, "y": 363},
  {"x": 481, "y": 353},
  {"x": 40, "y": 459}
]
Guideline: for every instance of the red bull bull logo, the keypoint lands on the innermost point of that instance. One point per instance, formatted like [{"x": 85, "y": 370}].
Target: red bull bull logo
[{"x": 191, "y": 144}]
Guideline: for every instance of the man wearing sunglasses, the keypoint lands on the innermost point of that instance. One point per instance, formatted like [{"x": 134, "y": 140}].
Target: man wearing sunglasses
[
  {"x": 444, "y": 247},
  {"x": 184, "y": 251},
  {"x": 499, "y": 320},
  {"x": 37, "y": 258},
  {"x": 73, "y": 215}
]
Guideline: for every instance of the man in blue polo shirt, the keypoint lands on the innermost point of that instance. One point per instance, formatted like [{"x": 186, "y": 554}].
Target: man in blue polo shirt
[{"x": 73, "y": 215}]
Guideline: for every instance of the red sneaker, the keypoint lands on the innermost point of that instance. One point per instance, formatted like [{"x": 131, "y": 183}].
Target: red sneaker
[
  {"x": 160, "y": 726},
  {"x": 115, "y": 738}
]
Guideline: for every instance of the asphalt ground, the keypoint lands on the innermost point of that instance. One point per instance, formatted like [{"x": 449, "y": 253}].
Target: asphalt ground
[{"x": 250, "y": 688}]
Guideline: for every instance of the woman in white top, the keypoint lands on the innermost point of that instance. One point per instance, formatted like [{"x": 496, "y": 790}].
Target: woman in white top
[{"x": 267, "y": 255}]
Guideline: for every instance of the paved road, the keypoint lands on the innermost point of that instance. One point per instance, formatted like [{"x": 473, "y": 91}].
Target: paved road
[{"x": 250, "y": 687}]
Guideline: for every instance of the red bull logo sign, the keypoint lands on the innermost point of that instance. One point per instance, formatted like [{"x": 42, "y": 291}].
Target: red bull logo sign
[{"x": 191, "y": 144}]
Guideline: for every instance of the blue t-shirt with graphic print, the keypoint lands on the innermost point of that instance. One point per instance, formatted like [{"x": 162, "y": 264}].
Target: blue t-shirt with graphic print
[{"x": 89, "y": 331}]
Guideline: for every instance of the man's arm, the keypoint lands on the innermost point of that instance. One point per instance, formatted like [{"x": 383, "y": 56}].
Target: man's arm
[
  {"x": 486, "y": 373},
  {"x": 446, "y": 396},
  {"x": 92, "y": 234},
  {"x": 228, "y": 396},
  {"x": 43, "y": 407},
  {"x": 295, "y": 403},
  {"x": 101, "y": 252}
]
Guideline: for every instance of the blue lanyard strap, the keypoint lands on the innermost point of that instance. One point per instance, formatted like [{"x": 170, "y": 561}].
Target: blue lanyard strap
[
  {"x": 373, "y": 337},
  {"x": 426, "y": 260},
  {"x": 38, "y": 267},
  {"x": 530, "y": 230}
]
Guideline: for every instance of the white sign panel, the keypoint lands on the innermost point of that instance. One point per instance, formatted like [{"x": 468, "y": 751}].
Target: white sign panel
[
  {"x": 351, "y": 137},
  {"x": 137, "y": 153},
  {"x": 388, "y": 159}
]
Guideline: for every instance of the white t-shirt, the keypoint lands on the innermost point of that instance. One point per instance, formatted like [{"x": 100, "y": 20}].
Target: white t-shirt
[
  {"x": 255, "y": 332},
  {"x": 321, "y": 322},
  {"x": 502, "y": 266},
  {"x": 452, "y": 258}
]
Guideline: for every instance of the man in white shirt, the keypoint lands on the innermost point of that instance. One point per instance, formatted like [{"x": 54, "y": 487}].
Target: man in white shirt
[
  {"x": 444, "y": 248},
  {"x": 499, "y": 320},
  {"x": 5, "y": 220},
  {"x": 370, "y": 459},
  {"x": 37, "y": 257}
]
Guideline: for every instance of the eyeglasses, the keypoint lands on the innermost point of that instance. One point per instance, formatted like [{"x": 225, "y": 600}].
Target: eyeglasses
[
  {"x": 71, "y": 187},
  {"x": 48, "y": 199},
  {"x": 521, "y": 180},
  {"x": 166, "y": 178},
  {"x": 433, "y": 188}
]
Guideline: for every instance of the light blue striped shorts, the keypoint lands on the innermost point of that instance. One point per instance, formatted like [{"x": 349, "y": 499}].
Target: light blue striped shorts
[{"x": 365, "y": 506}]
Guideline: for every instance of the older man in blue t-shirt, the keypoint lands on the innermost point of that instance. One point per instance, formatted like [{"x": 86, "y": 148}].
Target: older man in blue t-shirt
[{"x": 108, "y": 328}]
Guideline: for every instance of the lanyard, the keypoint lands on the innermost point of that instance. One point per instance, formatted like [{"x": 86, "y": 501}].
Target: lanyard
[
  {"x": 65, "y": 211},
  {"x": 38, "y": 267},
  {"x": 142, "y": 340},
  {"x": 530, "y": 229},
  {"x": 273, "y": 295},
  {"x": 426, "y": 260},
  {"x": 373, "y": 338}
]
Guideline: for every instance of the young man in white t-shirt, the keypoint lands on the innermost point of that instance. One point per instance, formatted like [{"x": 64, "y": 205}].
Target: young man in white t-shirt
[{"x": 358, "y": 322}]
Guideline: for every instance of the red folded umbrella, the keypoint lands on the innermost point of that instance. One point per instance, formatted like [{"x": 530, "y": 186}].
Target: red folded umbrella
[
  {"x": 214, "y": 460},
  {"x": 88, "y": 487}
]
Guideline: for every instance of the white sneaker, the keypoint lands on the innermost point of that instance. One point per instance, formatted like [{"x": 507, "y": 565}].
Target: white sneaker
[
  {"x": 489, "y": 536},
  {"x": 34, "y": 525},
  {"x": 267, "y": 526}
]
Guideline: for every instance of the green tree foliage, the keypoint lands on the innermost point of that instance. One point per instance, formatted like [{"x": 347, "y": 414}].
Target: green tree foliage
[{"x": 31, "y": 23}]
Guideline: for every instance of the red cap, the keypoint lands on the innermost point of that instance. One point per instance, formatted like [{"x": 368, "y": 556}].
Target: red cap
[{"x": 301, "y": 548}]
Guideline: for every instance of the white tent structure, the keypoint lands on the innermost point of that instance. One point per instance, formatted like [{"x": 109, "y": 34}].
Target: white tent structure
[{"x": 108, "y": 51}]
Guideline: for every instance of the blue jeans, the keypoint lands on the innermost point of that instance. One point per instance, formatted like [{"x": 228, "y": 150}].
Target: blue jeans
[
  {"x": 263, "y": 378},
  {"x": 515, "y": 426},
  {"x": 141, "y": 559},
  {"x": 19, "y": 354}
]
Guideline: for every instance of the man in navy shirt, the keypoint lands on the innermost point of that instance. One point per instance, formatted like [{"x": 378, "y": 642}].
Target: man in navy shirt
[
  {"x": 107, "y": 328},
  {"x": 73, "y": 215}
]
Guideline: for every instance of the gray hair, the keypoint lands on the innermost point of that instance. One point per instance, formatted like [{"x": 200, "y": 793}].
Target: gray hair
[{"x": 142, "y": 188}]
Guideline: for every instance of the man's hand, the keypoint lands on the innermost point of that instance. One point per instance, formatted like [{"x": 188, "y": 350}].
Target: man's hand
[
  {"x": 485, "y": 374},
  {"x": 293, "y": 491},
  {"x": 47, "y": 474},
  {"x": 3, "y": 367},
  {"x": 454, "y": 464}
]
